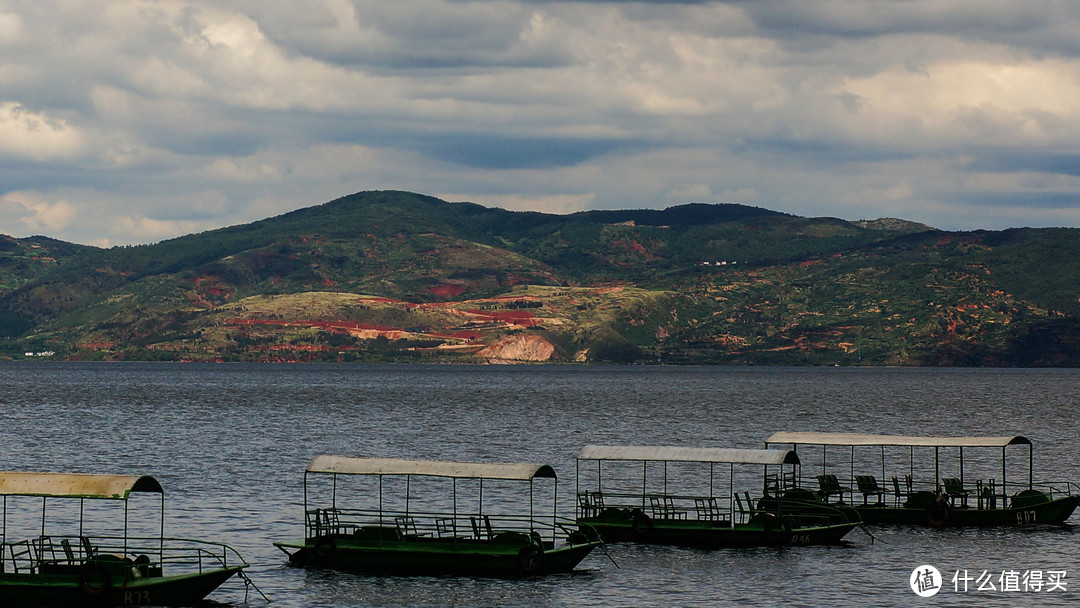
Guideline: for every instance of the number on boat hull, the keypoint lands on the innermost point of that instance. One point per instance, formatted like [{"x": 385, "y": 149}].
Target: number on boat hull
[
  {"x": 1026, "y": 517},
  {"x": 137, "y": 598},
  {"x": 800, "y": 540}
]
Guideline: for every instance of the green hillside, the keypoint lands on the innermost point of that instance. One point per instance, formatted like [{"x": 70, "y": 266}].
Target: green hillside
[{"x": 396, "y": 276}]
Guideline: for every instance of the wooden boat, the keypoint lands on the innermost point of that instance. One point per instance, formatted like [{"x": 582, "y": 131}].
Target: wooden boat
[
  {"x": 397, "y": 530},
  {"x": 76, "y": 568},
  {"x": 939, "y": 501},
  {"x": 703, "y": 515}
]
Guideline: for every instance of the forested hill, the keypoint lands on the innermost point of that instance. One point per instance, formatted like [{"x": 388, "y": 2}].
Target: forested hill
[{"x": 397, "y": 276}]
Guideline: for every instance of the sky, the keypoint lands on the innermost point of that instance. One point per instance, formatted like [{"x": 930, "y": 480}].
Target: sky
[{"x": 133, "y": 121}]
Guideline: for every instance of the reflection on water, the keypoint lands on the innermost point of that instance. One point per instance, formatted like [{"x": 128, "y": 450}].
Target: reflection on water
[{"x": 229, "y": 444}]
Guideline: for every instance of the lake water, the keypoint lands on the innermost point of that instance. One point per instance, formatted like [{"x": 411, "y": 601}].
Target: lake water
[{"x": 229, "y": 444}]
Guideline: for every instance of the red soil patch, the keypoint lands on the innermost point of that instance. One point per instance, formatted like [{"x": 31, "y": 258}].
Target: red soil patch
[
  {"x": 513, "y": 317},
  {"x": 447, "y": 291}
]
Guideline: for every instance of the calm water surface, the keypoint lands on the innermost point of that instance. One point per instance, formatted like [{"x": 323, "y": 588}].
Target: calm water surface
[{"x": 229, "y": 444}]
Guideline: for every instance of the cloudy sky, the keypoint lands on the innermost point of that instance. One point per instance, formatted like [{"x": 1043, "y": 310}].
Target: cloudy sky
[{"x": 132, "y": 121}]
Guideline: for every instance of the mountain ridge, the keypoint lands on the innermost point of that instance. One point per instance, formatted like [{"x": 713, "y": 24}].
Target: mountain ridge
[{"x": 399, "y": 276}]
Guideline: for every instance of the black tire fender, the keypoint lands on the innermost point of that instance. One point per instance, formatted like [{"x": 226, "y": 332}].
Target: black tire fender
[
  {"x": 94, "y": 578},
  {"x": 778, "y": 531},
  {"x": 937, "y": 512},
  {"x": 531, "y": 558},
  {"x": 640, "y": 523},
  {"x": 325, "y": 547}
]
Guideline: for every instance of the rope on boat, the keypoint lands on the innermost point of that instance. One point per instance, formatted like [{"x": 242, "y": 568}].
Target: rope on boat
[
  {"x": 872, "y": 537},
  {"x": 603, "y": 548},
  {"x": 250, "y": 584}
]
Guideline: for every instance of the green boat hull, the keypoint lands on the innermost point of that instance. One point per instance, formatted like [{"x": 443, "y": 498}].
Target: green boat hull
[
  {"x": 759, "y": 532},
  {"x": 470, "y": 557},
  {"x": 1027, "y": 509},
  {"x": 76, "y": 589}
]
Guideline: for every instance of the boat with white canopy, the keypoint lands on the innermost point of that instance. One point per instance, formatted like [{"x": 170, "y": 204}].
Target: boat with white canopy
[
  {"x": 697, "y": 497},
  {"x": 66, "y": 562},
  {"x": 924, "y": 487},
  {"x": 424, "y": 516}
]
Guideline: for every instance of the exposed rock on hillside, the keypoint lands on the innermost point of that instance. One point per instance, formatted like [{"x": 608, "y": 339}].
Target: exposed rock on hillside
[{"x": 521, "y": 347}]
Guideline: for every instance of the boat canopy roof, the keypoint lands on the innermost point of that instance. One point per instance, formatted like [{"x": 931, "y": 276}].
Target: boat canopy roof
[
  {"x": 346, "y": 465},
  {"x": 853, "y": 439},
  {"x": 685, "y": 454},
  {"x": 76, "y": 485}
]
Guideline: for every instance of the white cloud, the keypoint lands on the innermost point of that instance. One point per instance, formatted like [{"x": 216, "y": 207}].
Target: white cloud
[
  {"x": 25, "y": 134},
  {"x": 1034, "y": 102},
  {"x": 11, "y": 28},
  {"x": 32, "y": 213}
]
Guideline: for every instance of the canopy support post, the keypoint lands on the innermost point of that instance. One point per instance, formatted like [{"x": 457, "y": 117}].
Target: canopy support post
[
  {"x": 962, "y": 465},
  {"x": 554, "y": 508},
  {"x": 125, "y": 527},
  {"x": 1004, "y": 488},
  {"x": 43, "y": 499},
  {"x": 161, "y": 535},
  {"x": 731, "y": 494},
  {"x": 937, "y": 470},
  {"x": 1031, "y": 467},
  {"x": 883, "y": 464},
  {"x": 911, "y": 461},
  {"x": 851, "y": 476},
  {"x": 644, "y": 480}
]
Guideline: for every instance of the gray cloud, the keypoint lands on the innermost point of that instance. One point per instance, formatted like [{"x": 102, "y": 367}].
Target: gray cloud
[{"x": 137, "y": 120}]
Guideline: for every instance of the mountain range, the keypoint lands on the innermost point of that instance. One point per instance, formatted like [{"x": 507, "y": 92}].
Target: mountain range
[{"x": 403, "y": 277}]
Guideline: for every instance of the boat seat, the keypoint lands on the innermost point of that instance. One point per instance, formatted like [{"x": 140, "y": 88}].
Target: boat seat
[
  {"x": 772, "y": 485},
  {"x": 830, "y": 486},
  {"x": 708, "y": 509},
  {"x": 22, "y": 554},
  {"x": 446, "y": 527},
  {"x": 407, "y": 526},
  {"x": 743, "y": 511},
  {"x": 656, "y": 508},
  {"x": 954, "y": 488},
  {"x": 45, "y": 550},
  {"x": 986, "y": 494},
  {"x": 590, "y": 503},
  {"x": 68, "y": 552},
  {"x": 868, "y": 487},
  {"x": 481, "y": 532},
  {"x": 663, "y": 507},
  {"x": 88, "y": 549},
  {"x": 745, "y": 505},
  {"x": 331, "y": 522},
  {"x": 583, "y": 504},
  {"x": 901, "y": 496}
]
